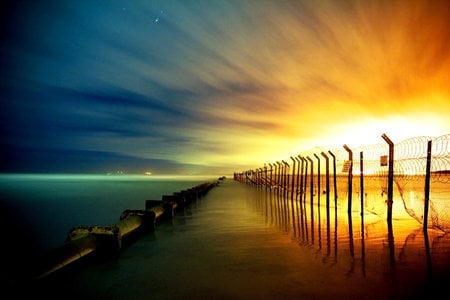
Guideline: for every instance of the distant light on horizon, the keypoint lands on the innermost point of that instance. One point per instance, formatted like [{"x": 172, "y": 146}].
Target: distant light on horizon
[{"x": 191, "y": 88}]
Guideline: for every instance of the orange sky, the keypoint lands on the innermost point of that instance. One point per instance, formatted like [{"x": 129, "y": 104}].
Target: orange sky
[
  {"x": 326, "y": 74},
  {"x": 226, "y": 85}
]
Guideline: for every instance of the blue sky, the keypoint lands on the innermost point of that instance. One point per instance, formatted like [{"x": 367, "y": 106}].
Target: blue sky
[{"x": 214, "y": 86}]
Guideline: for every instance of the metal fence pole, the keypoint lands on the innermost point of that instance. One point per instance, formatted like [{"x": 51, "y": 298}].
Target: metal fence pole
[
  {"x": 334, "y": 178},
  {"x": 271, "y": 171},
  {"x": 265, "y": 175},
  {"x": 350, "y": 178},
  {"x": 327, "y": 179},
  {"x": 318, "y": 180},
  {"x": 311, "y": 181},
  {"x": 311, "y": 193},
  {"x": 327, "y": 187},
  {"x": 427, "y": 187},
  {"x": 285, "y": 178},
  {"x": 305, "y": 178},
  {"x": 361, "y": 183},
  {"x": 279, "y": 176},
  {"x": 293, "y": 178},
  {"x": 259, "y": 170},
  {"x": 302, "y": 170},
  {"x": 390, "y": 177},
  {"x": 275, "y": 176},
  {"x": 297, "y": 158}
]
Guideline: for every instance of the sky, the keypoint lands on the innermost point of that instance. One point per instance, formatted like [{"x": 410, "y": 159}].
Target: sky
[{"x": 213, "y": 87}]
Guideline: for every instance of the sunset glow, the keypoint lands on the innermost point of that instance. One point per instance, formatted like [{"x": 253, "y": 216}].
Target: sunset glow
[{"x": 215, "y": 86}]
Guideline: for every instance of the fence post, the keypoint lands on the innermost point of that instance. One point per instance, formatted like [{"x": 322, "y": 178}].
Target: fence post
[
  {"x": 265, "y": 175},
  {"x": 318, "y": 180},
  {"x": 361, "y": 183},
  {"x": 258, "y": 176},
  {"x": 327, "y": 179},
  {"x": 350, "y": 178},
  {"x": 275, "y": 179},
  {"x": 311, "y": 193},
  {"x": 297, "y": 158},
  {"x": 311, "y": 181},
  {"x": 305, "y": 178},
  {"x": 300, "y": 180},
  {"x": 327, "y": 187},
  {"x": 262, "y": 177},
  {"x": 279, "y": 176},
  {"x": 427, "y": 187},
  {"x": 334, "y": 178},
  {"x": 293, "y": 178},
  {"x": 285, "y": 178},
  {"x": 270, "y": 178},
  {"x": 390, "y": 177}
]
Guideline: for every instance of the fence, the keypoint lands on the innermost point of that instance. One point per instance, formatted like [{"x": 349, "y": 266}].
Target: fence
[{"x": 415, "y": 170}]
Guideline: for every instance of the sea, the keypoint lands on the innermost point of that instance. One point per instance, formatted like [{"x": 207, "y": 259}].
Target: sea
[
  {"x": 239, "y": 241},
  {"x": 46, "y": 206}
]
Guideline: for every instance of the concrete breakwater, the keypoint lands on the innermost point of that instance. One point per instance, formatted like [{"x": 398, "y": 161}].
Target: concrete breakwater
[{"x": 108, "y": 241}]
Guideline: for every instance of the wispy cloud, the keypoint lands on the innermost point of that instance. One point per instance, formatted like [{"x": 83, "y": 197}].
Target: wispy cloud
[{"x": 222, "y": 82}]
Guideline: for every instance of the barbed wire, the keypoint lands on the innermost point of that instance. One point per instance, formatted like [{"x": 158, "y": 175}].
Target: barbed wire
[{"x": 410, "y": 169}]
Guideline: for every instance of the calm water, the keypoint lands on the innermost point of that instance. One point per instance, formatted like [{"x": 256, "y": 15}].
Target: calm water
[
  {"x": 47, "y": 206},
  {"x": 242, "y": 242}
]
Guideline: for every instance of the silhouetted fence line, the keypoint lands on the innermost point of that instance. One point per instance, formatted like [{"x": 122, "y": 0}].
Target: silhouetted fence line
[{"x": 416, "y": 170}]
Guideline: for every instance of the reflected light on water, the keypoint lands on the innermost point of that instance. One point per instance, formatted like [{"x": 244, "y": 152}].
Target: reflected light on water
[
  {"x": 247, "y": 242},
  {"x": 365, "y": 242}
]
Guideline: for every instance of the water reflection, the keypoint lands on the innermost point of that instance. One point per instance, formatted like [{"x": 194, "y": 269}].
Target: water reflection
[
  {"x": 245, "y": 242},
  {"x": 363, "y": 244}
]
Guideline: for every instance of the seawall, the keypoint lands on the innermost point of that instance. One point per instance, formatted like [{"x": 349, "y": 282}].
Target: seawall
[{"x": 109, "y": 241}]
